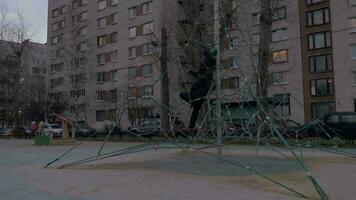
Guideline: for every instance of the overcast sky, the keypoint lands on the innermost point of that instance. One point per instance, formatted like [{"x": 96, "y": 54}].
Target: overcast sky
[{"x": 35, "y": 12}]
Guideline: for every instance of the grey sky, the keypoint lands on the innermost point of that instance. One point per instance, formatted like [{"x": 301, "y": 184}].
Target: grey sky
[{"x": 35, "y": 12}]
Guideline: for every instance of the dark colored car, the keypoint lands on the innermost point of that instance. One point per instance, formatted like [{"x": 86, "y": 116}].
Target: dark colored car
[
  {"x": 290, "y": 128},
  {"x": 147, "y": 128},
  {"x": 23, "y": 132},
  {"x": 84, "y": 130},
  {"x": 2, "y": 131},
  {"x": 152, "y": 127},
  {"x": 341, "y": 123}
]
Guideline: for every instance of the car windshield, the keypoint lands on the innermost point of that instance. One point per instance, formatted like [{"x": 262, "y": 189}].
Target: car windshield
[{"x": 55, "y": 126}]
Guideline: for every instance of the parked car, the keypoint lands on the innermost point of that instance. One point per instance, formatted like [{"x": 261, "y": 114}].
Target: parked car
[
  {"x": 151, "y": 127},
  {"x": 341, "y": 123},
  {"x": 84, "y": 130},
  {"x": 290, "y": 128},
  {"x": 55, "y": 129},
  {"x": 22, "y": 132},
  {"x": 2, "y": 131},
  {"x": 147, "y": 128},
  {"x": 27, "y": 130}
]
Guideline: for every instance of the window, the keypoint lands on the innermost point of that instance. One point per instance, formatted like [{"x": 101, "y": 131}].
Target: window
[
  {"x": 147, "y": 69},
  {"x": 348, "y": 119},
  {"x": 57, "y": 67},
  {"x": 83, "y": 31},
  {"x": 78, "y": 93},
  {"x": 352, "y": 2},
  {"x": 83, "y": 2},
  {"x": 81, "y": 108},
  {"x": 83, "y": 16},
  {"x": 59, "y": 53},
  {"x": 147, "y": 7},
  {"x": 62, "y": 24},
  {"x": 234, "y": 43},
  {"x": 113, "y": 37},
  {"x": 114, "y": 18},
  {"x": 255, "y": 38},
  {"x": 101, "y": 22},
  {"x": 320, "y": 63},
  {"x": 78, "y": 78},
  {"x": 148, "y": 49},
  {"x": 55, "y": 40},
  {"x": 132, "y": 12},
  {"x": 353, "y": 51},
  {"x": 102, "y": 4},
  {"x": 148, "y": 28},
  {"x": 319, "y": 40},
  {"x": 318, "y": 17},
  {"x": 322, "y": 87},
  {"x": 100, "y": 95},
  {"x": 353, "y": 25},
  {"x": 280, "y": 56},
  {"x": 279, "y": 13},
  {"x": 132, "y": 32},
  {"x": 279, "y": 78},
  {"x": 100, "y": 77},
  {"x": 113, "y": 94},
  {"x": 133, "y": 92},
  {"x": 100, "y": 59},
  {"x": 82, "y": 46},
  {"x": 55, "y": 27},
  {"x": 333, "y": 119},
  {"x": 35, "y": 70},
  {"x": 101, "y": 40},
  {"x": 236, "y": 62},
  {"x": 256, "y": 18},
  {"x": 114, "y": 2},
  {"x": 100, "y": 115},
  {"x": 230, "y": 83},
  {"x": 113, "y": 56},
  {"x": 55, "y": 13},
  {"x": 320, "y": 109},
  {"x": 132, "y": 52},
  {"x": 147, "y": 91},
  {"x": 281, "y": 104},
  {"x": 63, "y": 9},
  {"x": 279, "y": 34},
  {"x": 311, "y": 2},
  {"x": 113, "y": 75},
  {"x": 132, "y": 72}
]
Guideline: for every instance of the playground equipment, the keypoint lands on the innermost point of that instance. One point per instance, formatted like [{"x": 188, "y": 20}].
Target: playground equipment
[{"x": 47, "y": 137}]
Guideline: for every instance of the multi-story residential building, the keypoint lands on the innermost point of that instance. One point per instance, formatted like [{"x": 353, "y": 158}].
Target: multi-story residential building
[
  {"x": 19, "y": 75},
  {"x": 105, "y": 56},
  {"x": 343, "y": 29},
  {"x": 312, "y": 57}
]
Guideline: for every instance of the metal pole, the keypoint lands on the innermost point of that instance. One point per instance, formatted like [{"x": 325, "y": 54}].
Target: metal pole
[{"x": 218, "y": 77}]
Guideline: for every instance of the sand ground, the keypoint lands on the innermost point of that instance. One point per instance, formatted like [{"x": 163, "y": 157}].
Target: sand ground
[{"x": 167, "y": 174}]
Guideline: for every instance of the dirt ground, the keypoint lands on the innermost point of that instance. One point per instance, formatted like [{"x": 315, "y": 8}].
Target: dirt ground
[{"x": 168, "y": 174}]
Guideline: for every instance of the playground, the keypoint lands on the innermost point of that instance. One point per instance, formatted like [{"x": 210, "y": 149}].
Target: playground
[{"x": 169, "y": 173}]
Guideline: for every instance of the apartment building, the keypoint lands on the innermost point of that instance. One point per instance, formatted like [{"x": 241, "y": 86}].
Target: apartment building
[
  {"x": 312, "y": 58},
  {"x": 104, "y": 57},
  {"x": 327, "y": 30},
  {"x": 240, "y": 60},
  {"x": 344, "y": 53},
  {"x": 17, "y": 77}
]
